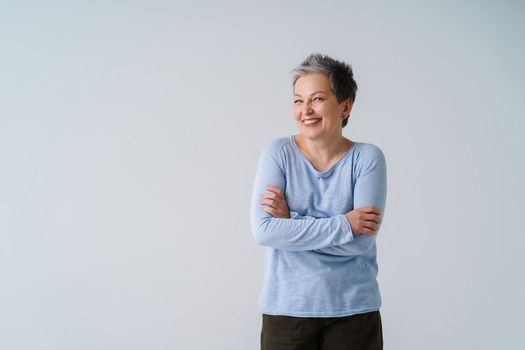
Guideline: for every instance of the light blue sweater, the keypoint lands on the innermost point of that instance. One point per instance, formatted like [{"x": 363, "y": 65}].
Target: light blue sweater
[{"x": 314, "y": 265}]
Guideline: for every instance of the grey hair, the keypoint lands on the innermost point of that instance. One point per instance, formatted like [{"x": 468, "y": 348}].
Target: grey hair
[{"x": 339, "y": 74}]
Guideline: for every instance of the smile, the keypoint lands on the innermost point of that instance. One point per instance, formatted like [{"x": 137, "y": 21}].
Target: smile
[{"x": 311, "y": 122}]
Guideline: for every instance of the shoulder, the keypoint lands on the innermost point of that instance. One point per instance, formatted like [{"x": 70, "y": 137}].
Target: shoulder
[
  {"x": 369, "y": 150},
  {"x": 369, "y": 155},
  {"x": 275, "y": 147}
]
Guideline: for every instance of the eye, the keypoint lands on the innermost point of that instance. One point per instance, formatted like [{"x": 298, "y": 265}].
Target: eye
[
  {"x": 318, "y": 98},
  {"x": 296, "y": 101}
]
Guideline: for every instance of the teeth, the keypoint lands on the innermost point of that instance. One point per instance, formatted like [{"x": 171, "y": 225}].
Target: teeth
[{"x": 311, "y": 121}]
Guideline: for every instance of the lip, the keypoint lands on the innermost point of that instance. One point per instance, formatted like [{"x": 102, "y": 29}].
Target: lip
[
  {"x": 313, "y": 125},
  {"x": 311, "y": 118}
]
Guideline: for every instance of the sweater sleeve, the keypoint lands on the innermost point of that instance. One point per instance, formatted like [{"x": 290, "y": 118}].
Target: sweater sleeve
[
  {"x": 370, "y": 189},
  {"x": 287, "y": 233}
]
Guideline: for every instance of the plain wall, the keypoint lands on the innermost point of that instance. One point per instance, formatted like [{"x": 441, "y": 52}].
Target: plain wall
[{"x": 129, "y": 138}]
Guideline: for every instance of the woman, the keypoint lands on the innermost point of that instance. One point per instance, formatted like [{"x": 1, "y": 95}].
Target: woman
[{"x": 317, "y": 204}]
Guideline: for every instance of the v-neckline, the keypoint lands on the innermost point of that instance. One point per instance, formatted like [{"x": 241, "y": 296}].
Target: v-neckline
[{"x": 326, "y": 172}]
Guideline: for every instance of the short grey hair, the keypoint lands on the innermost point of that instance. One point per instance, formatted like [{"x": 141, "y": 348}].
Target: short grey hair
[{"x": 339, "y": 74}]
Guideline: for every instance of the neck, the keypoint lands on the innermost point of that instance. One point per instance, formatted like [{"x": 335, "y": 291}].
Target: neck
[{"x": 323, "y": 151}]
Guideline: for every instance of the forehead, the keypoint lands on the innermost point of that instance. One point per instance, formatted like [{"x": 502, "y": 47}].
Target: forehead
[{"x": 310, "y": 83}]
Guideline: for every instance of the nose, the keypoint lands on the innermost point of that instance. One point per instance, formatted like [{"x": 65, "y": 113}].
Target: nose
[{"x": 307, "y": 108}]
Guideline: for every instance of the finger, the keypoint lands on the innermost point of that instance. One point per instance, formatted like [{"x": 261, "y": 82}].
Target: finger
[
  {"x": 367, "y": 231},
  {"x": 274, "y": 189},
  {"x": 275, "y": 212},
  {"x": 372, "y": 217},
  {"x": 371, "y": 225},
  {"x": 269, "y": 209},
  {"x": 271, "y": 196},
  {"x": 268, "y": 201},
  {"x": 272, "y": 202},
  {"x": 278, "y": 213},
  {"x": 278, "y": 206},
  {"x": 371, "y": 209}
]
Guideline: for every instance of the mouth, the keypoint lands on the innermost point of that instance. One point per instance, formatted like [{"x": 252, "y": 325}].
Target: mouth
[{"x": 311, "y": 122}]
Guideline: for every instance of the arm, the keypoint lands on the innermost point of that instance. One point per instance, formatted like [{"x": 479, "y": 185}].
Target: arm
[
  {"x": 370, "y": 189},
  {"x": 287, "y": 233}
]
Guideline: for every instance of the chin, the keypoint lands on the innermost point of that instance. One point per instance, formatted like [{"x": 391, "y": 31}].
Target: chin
[{"x": 312, "y": 136}]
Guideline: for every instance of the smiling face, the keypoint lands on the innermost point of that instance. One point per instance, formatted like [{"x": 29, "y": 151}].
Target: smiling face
[{"x": 316, "y": 111}]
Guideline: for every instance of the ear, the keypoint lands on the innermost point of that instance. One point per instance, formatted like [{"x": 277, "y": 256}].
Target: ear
[{"x": 347, "y": 108}]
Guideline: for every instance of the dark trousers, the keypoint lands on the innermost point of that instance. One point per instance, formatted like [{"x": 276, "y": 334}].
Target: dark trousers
[{"x": 354, "y": 332}]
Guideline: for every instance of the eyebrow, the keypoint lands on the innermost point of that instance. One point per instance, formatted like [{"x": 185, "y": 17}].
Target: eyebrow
[{"x": 313, "y": 93}]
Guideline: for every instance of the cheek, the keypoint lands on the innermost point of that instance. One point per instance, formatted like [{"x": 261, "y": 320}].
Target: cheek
[{"x": 320, "y": 110}]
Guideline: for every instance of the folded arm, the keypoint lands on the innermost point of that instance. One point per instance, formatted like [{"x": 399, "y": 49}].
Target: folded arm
[
  {"x": 288, "y": 233},
  {"x": 370, "y": 189}
]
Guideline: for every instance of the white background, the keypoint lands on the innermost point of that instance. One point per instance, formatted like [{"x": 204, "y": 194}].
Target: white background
[{"x": 129, "y": 137}]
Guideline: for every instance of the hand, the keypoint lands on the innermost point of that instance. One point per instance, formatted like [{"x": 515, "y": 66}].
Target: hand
[
  {"x": 364, "y": 220},
  {"x": 276, "y": 203}
]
